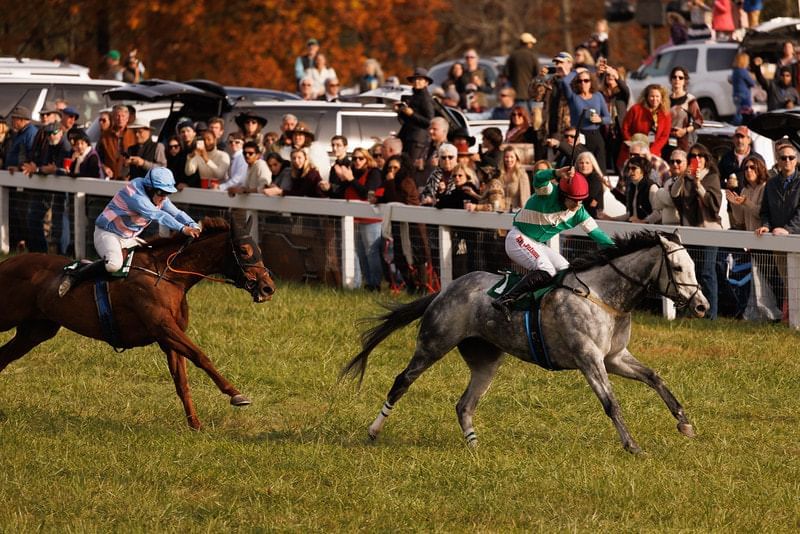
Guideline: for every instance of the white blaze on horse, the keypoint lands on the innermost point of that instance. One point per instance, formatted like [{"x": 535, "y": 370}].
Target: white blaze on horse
[{"x": 585, "y": 325}]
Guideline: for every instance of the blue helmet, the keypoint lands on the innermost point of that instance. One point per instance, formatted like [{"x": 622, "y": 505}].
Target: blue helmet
[{"x": 160, "y": 178}]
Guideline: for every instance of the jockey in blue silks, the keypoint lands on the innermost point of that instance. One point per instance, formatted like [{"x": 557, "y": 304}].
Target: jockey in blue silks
[{"x": 142, "y": 201}]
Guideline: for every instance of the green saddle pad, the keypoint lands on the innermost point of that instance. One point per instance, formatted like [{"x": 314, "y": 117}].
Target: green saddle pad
[
  {"x": 121, "y": 273},
  {"x": 525, "y": 303}
]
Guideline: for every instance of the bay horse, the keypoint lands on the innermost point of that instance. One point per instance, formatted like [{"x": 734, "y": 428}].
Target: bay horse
[
  {"x": 585, "y": 325},
  {"x": 149, "y": 306}
]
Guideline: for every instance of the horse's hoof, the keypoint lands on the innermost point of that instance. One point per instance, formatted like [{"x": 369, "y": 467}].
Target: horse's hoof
[
  {"x": 372, "y": 434},
  {"x": 686, "y": 429},
  {"x": 240, "y": 400},
  {"x": 634, "y": 449}
]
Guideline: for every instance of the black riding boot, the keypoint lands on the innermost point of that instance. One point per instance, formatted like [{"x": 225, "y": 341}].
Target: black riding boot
[
  {"x": 530, "y": 282},
  {"x": 88, "y": 271}
]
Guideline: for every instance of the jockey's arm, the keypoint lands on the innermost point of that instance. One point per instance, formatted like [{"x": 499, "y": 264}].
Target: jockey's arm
[{"x": 597, "y": 234}]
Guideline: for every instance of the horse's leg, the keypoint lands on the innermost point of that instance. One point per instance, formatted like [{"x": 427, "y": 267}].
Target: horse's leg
[
  {"x": 597, "y": 377},
  {"x": 483, "y": 359},
  {"x": 626, "y": 365},
  {"x": 177, "y": 368},
  {"x": 28, "y": 335},
  {"x": 174, "y": 339},
  {"x": 423, "y": 358}
]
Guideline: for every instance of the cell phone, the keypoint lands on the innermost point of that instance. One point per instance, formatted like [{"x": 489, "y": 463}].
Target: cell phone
[
  {"x": 200, "y": 143},
  {"x": 693, "y": 167}
]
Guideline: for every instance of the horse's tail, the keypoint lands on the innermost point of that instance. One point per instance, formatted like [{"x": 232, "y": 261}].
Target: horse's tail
[{"x": 399, "y": 315}]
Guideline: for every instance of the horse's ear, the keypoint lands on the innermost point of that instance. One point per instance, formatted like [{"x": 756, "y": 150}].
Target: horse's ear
[{"x": 676, "y": 236}]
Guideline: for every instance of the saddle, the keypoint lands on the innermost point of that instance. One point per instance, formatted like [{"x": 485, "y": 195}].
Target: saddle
[
  {"x": 527, "y": 302},
  {"x": 127, "y": 255},
  {"x": 531, "y": 305}
]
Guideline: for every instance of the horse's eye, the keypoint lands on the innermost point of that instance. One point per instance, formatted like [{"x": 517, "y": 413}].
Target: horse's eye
[{"x": 678, "y": 269}]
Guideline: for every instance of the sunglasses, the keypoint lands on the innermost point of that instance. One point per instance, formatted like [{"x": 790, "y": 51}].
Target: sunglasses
[
  {"x": 739, "y": 135},
  {"x": 676, "y": 162},
  {"x": 393, "y": 167},
  {"x": 678, "y": 77},
  {"x": 174, "y": 146},
  {"x": 249, "y": 153},
  {"x": 584, "y": 80},
  {"x": 359, "y": 158},
  {"x": 102, "y": 120},
  {"x": 161, "y": 193},
  {"x": 377, "y": 155},
  {"x": 54, "y": 132},
  {"x": 788, "y": 158},
  {"x": 448, "y": 157},
  {"x": 517, "y": 115},
  {"x": 694, "y": 156},
  {"x": 505, "y": 95},
  {"x": 750, "y": 167}
]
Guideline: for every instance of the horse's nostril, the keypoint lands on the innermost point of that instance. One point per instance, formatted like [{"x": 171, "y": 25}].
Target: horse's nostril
[
  {"x": 269, "y": 290},
  {"x": 700, "y": 308}
]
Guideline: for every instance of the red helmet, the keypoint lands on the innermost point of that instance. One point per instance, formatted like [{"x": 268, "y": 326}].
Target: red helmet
[{"x": 577, "y": 188}]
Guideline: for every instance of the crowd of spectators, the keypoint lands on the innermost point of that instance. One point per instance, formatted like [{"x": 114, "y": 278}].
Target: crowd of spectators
[{"x": 572, "y": 114}]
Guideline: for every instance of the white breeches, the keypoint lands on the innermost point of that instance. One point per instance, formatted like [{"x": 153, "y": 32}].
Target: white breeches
[
  {"x": 533, "y": 255},
  {"x": 109, "y": 247}
]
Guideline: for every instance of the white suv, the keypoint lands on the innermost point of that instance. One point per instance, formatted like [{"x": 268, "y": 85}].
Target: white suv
[
  {"x": 32, "y": 82},
  {"x": 709, "y": 63}
]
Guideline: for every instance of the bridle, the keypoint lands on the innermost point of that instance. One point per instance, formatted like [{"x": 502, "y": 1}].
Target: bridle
[
  {"x": 652, "y": 286},
  {"x": 243, "y": 280}
]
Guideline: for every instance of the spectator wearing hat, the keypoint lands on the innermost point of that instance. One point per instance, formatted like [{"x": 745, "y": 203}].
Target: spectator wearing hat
[
  {"x": 115, "y": 142},
  {"x": 306, "y": 61},
  {"x": 521, "y": 67},
  {"x": 463, "y": 142},
  {"x": 145, "y": 154},
  {"x": 731, "y": 170},
  {"x": 24, "y": 132},
  {"x": 47, "y": 115},
  {"x": 558, "y": 108},
  {"x": 317, "y": 153},
  {"x": 53, "y": 159},
  {"x": 69, "y": 116},
  {"x": 251, "y": 125},
  {"x": 415, "y": 113},
  {"x": 207, "y": 160},
  {"x": 112, "y": 70}
]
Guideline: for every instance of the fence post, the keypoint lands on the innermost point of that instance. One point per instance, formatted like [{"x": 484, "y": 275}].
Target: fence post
[
  {"x": 348, "y": 252},
  {"x": 667, "y": 308},
  {"x": 445, "y": 256},
  {"x": 5, "y": 245},
  {"x": 793, "y": 288},
  {"x": 79, "y": 221},
  {"x": 254, "y": 230}
]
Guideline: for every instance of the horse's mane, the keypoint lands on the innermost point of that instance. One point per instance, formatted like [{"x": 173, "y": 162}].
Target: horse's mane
[
  {"x": 624, "y": 245},
  {"x": 211, "y": 226}
]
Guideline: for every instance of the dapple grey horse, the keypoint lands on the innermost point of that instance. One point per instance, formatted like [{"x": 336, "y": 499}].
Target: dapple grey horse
[{"x": 585, "y": 322}]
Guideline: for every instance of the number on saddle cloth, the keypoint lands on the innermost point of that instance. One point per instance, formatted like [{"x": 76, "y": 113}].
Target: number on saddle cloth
[{"x": 510, "y": 279}]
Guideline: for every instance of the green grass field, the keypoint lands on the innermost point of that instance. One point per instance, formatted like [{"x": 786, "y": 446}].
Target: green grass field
[{"x": 96, "y": 441}]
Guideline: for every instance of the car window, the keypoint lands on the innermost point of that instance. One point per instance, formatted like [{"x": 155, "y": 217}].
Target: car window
[
  {"x": 660, "y": 66},
  {"x": 686, "y": 58},
  {"x": 87, "y": 100},
  {"x": 14, "y": 94},
  {"x": 720, "y": 58},
  {"x": 363, "y": 130}
]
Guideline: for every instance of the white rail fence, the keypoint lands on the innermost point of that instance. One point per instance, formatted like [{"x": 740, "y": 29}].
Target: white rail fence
[{"x": 444, "y": 220}]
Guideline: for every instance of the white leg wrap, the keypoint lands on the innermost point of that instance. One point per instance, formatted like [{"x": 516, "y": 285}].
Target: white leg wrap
[
  {"x": 377, "y": 424},
  {"x": 471, "y": 437}
]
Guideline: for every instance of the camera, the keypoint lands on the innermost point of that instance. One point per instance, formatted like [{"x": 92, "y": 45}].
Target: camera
[
  {"x": 344, "y": 162},
  {"x": 551, "y": 69}
]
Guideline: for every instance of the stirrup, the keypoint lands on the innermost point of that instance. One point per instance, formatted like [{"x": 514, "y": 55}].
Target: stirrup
[
  {"x": 503, "y": 306},
  {"x": 65, "y": 285}
]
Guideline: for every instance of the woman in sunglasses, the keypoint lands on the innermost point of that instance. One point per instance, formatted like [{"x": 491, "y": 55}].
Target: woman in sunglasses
[
  {"x": 142, "y": 201},
  {"x": 698, "y": 198},
  {"x": 587, "y": 110},
  {"x": 685, "y": 112}
]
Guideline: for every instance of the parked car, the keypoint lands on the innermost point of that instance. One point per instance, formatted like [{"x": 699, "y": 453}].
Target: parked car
[
  {"x": 765, "y": 39},
  {"x": 709, "y": 64},
  {"x": 361, "y": 123},
  {"x": 32, "y": 82}
]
